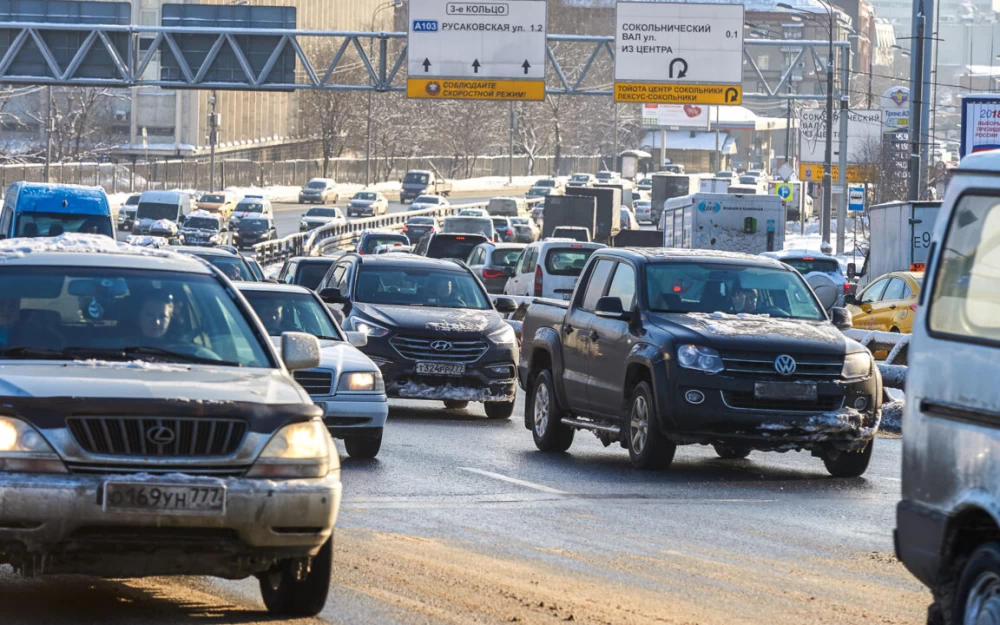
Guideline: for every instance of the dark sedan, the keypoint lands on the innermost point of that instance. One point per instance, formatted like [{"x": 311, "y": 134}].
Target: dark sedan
[{"x": 417, "y": 227}]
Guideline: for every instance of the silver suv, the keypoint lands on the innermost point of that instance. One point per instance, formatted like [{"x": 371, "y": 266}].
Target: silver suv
[{"x": 150, "y": 428}]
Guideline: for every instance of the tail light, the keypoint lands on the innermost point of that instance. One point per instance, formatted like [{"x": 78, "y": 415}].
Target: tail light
[
  {"x": 538, "y": 281},
  {"x": 510, "y": 232},
  {"x": 847, "y": 287},
  {"x": 913, "y": 307},
  {"x": 492, "y": 274}
]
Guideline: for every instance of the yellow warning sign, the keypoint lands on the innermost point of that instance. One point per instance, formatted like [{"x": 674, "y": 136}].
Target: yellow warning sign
[
  {"x": 814, "y": 173},
  {"x": 474, "y": 89},
  {"x": 664, "y": 93}
]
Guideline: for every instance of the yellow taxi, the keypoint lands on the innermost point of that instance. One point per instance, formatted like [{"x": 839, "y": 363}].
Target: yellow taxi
[
  {"x": 887, "y": 304},
  {"x": 222, "y": 202}
]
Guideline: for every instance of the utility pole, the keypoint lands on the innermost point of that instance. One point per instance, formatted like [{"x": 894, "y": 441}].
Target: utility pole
[
  {"x": 718, "y": 149},
  {"x": 845, "y": 101},
  {"x": 788, "y": 127},
  {"x": 615, "y": 155},
  {"x": 916, "y": 100},
  {"x": 49, "y": 127},
  {"x": 511, "y": 122},
  {"x": 213, "y": 138},
  {"x": 828, "y": 156}
]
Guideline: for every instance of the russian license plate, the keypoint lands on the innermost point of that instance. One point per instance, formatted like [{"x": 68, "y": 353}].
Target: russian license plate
[
  {"x": 164, "y": 498},
  {"x": 785, "y": 390},
  {"x": 441, "y": 368}
]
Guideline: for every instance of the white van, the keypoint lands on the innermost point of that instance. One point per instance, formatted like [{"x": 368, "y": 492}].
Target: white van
[
  {"x": 154, "y": 206},
  {"x": 948, "y": 522},
  {"x": 550, "y": 268}
]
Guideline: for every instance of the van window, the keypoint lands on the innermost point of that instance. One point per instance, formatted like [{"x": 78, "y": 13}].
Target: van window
[
  {"x": 966, "y": 297},
  {"x": 567, "y": 261},
  {"x": 157, "y": 211}
]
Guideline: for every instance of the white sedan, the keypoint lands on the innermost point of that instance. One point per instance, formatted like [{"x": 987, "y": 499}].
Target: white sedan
[
  {"x": 643, "y": 210},
  {"x": 474, "y": 212},
  {"x": 367, "y": 203},
  {"x": 429, "y": 201}
]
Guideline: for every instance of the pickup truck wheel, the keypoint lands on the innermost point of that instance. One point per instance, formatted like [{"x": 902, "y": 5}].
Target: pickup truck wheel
[
  {"x": 454, "y": 404},
  {"x": 549, "y": 432},
  {"x": 499, "y": 409},
  {"x": 647, "y": 447},
  {"x": 977, "y": 595},
  {"x": 731, "y": 452},
  {"x": 286, "y": 596},
  {"x": 363, "y": 448},
  {"x": 848, "y": 463}
]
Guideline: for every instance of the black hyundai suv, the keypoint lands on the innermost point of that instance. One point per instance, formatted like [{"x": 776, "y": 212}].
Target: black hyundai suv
[{"x": 431, "y": 327}]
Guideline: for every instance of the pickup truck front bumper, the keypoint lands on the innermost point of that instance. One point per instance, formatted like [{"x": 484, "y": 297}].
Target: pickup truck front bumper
[{"x": 58, "y": 524}]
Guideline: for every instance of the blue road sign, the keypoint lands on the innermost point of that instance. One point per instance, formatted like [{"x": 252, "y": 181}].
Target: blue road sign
[{"x": 856, "y": 199}]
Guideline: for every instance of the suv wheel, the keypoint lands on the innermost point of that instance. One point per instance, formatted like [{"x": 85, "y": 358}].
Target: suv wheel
[
  {"x": 848, "y": 463},
  {"x": 284, "y": 595},
  {"x": 647, "y": 447},
  {"x": 977, "y": 595},
  {"x": 363, "y": 448},
  {"x": 731, "y": 452},
  {"x": 454, "y": 404},
  {"x": 549, "y": 432},
  {"x": 499, "y": 409}
]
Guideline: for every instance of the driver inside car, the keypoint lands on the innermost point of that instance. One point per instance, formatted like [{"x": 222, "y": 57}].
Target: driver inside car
[
  {"x": 443, "y": 294},
  {"x": 744, "y": 300}
]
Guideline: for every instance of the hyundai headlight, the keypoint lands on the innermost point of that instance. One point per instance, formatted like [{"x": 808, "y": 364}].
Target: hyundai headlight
[
  {"x": 299, "y": 450},
  {"x": 699, "y": 358},
  {"x": 361, "y": 381},
  {"x": 369, "y": 329},
  {"x": 857, "y": 365},
  {"x": 23, "y": 449}
]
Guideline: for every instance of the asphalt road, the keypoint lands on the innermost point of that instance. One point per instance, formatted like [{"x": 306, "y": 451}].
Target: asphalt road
[{"x": 461, "y": 520}]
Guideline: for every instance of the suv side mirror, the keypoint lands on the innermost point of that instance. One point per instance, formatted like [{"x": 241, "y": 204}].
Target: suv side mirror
[
  {"x": 841, "y": 318},
  {"x": 332, "y": 295},
  {"x": 505, "y": 305},
  {"x": 852, "y": 271},
  {"x": 610, "y": 308},
  {"x": 299, "y": 350}
]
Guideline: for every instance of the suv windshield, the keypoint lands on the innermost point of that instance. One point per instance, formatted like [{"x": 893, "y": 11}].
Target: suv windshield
[
  {"x": 82, "y": 313},
  {"x": 292, "y": 312},
  {"x": 249, "y": 207},
  {"x": 809, "y": 265},
  {"x": 53, "y": 224},
  {"x": 157, "y": 211},
  {"x": 731, "y": 289},
  {"x": 410, "y": 286},
  {"x": 567, "y": 261},
  {"x": 201, "y": 223},
  {"x": 321, "y": 212}
]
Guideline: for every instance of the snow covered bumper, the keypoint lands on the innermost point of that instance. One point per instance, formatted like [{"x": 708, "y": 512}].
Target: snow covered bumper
[
  {"x": 769, "y": 413},
  {"x": 95, "y": 524},
  {"x": 489, "y": 379}
]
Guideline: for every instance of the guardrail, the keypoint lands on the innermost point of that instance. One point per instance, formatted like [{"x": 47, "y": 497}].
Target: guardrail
[{"x": 331, "y": 237}]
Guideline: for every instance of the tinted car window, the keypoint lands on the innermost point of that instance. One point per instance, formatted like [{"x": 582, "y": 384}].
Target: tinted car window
[
  {"x": 311, "y": 274},
  {"x": 452, "y": 247},
  {"x": 598, "y": 280},
  {"x": 505, "y": 258},
  {"x": 806, "y": 265},
  {"x": 566, "y": 261},
  {"x": 291, "y": 312},
  {"x": 372, "y": 242},
  {"x": 623, "y": 285},
  {"x": 412, "y": 286}
]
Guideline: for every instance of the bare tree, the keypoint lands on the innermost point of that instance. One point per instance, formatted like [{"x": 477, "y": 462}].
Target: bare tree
[
  {"x": 80, "y": 122},
  {"x": 532, "y": 134},
  {"x": 336, "y": 118}
]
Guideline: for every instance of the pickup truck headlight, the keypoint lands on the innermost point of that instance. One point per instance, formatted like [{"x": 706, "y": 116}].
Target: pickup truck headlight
[
  {"x": 299, "y": 450},
  {"x": 22, "y": 449},
  {"x": 857, "y": 365},
  {"x": 361, "y": 381},
  {"x": 504, "y": 336},
  {"x": 699, "y": 358}
]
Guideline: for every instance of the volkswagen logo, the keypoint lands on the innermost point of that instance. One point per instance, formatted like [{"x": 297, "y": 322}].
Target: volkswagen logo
[
  {"x": 160, "y": 435},
  {"x": 441, "y": 346},
  {"x": 785, "y": 365}
]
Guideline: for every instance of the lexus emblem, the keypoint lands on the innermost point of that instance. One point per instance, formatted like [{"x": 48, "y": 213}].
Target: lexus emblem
[
  {"x": 785, "y": 365},
  {"x": 441, "y": 346},
  {"x": 160, "y": 435}
]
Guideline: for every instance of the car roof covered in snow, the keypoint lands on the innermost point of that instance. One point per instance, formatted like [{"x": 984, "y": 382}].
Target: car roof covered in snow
[
  {"x": 93, "y": 250},
  {"x": 659, "y": 254}
]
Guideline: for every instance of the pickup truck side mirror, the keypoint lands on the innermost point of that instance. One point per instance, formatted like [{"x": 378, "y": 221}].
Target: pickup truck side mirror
[
  {"x": 332, "y": 295},
  {"x": 610, "y": 308},
  {"x": 841, "y": 318},
  {"x": 505, "y": 305},
  {"x": 852, "y": 271},
  {"x": 851, "y": 298}
]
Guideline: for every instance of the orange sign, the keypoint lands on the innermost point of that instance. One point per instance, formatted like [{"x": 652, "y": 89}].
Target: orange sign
[{"x": 809, "y": 172}]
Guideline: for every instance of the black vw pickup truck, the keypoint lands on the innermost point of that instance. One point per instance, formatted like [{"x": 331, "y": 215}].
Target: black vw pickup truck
[{"x": 659, "y": 348}]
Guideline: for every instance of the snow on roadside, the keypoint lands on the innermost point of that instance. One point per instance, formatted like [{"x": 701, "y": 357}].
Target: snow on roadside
[{"x": 892, "y": 417}]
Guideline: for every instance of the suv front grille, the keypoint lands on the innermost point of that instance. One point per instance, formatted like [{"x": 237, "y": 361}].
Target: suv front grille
[
  {"x": 760, "y": 366},
  {"x": 314, "y": 382},
  {"x": 749, "y": 401},
  {"x": 158, "y": 437},
  {"x": 416, "y": 348},
  {"x": 130, "y": 469}
]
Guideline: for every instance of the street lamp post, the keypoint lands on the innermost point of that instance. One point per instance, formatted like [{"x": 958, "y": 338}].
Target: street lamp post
[{"x": 213, "y": 138}]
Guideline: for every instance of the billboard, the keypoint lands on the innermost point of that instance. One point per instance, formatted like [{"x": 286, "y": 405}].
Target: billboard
[
  {"x": 896, "y": 109},
  {"x": 980, "y": 124},
  {"x": 683, "y": 115},
  {"x": 863, "y": 128}
]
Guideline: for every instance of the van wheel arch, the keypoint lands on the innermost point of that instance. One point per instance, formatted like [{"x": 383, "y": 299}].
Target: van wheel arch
[{"x": 964, "y": 533}]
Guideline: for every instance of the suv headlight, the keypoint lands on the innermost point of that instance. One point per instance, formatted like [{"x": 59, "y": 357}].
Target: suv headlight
[
  {"x": 22, "y": 449},
  {"x": 372, "y": 330},
  {"x": 361, "y": 381},
  {"x": 857, "y": 365},
  {"x": 299, "y": 450},
  {"x": 699, "y": 358},
  {"x": 504, "y": 336}
]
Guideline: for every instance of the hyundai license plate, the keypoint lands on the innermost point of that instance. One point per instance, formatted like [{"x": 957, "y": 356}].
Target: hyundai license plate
[
  {"x": 164, "y": 498},
  {"x": 440, "y": 368},
  {"x": 785, "y": 390}
]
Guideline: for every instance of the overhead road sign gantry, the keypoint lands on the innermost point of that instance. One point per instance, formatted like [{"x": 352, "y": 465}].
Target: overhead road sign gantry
[
  {"x": 476, "y": 50},
  {"x": 679, "y": 53}
]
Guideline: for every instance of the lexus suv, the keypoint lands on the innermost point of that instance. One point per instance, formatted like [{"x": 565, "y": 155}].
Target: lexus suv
[
  {"x": 150, "y": 428},
  {"x": 431, "y": 329}
]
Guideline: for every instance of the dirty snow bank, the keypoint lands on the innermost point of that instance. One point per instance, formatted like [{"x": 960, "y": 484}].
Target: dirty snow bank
[
  {"x": 892, "y": 417},
  {"x": 846, "y": 421},
  {"x": 412, "y": 390}
]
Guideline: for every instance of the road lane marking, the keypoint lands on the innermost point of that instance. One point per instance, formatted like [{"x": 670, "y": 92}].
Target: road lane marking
[{"x": 514, "y": 480}]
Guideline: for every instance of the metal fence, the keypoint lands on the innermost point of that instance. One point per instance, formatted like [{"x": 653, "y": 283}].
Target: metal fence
[{"x": 131, "y": 177}]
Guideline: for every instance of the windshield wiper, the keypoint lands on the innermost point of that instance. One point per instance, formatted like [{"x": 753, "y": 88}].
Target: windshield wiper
[
  {"x": 42, "y": 353},
  {"x": 147, "y": 350}
]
